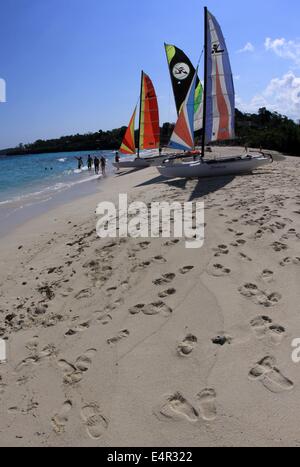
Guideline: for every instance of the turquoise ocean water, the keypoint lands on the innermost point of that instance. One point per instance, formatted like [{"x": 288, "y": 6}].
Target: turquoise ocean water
[{"x": 33, "y": 182}]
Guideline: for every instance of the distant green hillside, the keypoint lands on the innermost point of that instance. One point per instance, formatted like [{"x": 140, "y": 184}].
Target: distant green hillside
[{"x": 267, "y": 129}]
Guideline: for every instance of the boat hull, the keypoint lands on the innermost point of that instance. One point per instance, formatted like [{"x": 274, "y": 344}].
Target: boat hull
[
  {"x": 143, "y": 162},
  {"x": 136, "y": 163},
  {"x": 212, "y": 168}
]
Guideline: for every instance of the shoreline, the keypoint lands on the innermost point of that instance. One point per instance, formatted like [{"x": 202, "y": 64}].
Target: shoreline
[
  {"x": 13, "y": 218},
  {"x": 142, "y": 342},
  {"x": 16, "y": 213}
]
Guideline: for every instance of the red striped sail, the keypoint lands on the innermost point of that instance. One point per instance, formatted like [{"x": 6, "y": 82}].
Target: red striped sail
[{"x": 149, "y": 118}]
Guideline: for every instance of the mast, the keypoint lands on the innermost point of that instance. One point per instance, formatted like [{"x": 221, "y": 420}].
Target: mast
[
  {"x": 140, "y": 117},
  {"x": 205, "y": 81}
]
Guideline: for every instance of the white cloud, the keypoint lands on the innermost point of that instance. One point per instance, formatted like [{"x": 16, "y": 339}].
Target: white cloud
[
  {"x": 283, "y": 48},
  {"x": 247, "y": 48},
  {"x": 281, "y": 95}
]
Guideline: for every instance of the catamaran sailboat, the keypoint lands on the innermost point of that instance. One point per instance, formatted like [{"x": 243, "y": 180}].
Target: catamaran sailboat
[
  {"x": 218, "y": 115},
  {"x": 149, "y": 130}
]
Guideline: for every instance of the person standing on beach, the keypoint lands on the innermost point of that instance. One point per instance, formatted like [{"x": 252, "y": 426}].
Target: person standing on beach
[
  {"x": 80, "y": 162},
  {"x": 117, "y": 160},
  {"x": 103, "y": 165},
  {"x": 96, "y": 165},
  {"x": 89, "y": 162}
]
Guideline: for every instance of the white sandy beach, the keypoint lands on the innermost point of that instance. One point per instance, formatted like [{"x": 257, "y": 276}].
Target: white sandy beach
[{"x": 134, "y": 342}]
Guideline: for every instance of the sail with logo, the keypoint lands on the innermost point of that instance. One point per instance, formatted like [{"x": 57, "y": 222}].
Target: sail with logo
[
  {"x": 183, "y": 134},
  {"x": 220, "y": 99},
  {"x": 182, "y": 72},
  {"x": 218, "y": 114}
]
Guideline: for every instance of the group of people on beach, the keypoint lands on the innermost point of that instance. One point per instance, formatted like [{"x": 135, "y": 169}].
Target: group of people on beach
[{"x": 96, "y": 162}]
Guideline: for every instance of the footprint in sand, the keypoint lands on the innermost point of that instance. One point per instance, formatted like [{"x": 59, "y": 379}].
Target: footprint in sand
[
  {"x": 120, "y": 336},
  {"x": 156, "y": 308},
  {"x": 141, "y": 266},
  {"x": 245, "y": 257},
  {"x": 60, "y": 419},
  {"x": 172, "y": 242},
  {"x": 136, "y": 309},
  {"x": 207, "y": 404},
  {"x": 84, "y": 362},
  {"x": 2, "y": 387},
  {"x": 221, "y": 250},
  {"x": 37, "y": 357},
  {"x": 263, "y": 326},
  {"x": 186, "y": 269},
  {"x": 167, "y": 293},
  {"x": 94, "y": 421},
  {"x": 288, "y": 261},
  {"x": 291, "y": 233},
  {"x": 278, "y": 246},
  {"x": 218, "y": 270},
  {"x": 32, "y": 344},
  {"x": 176, "y": 407},
  {"x": 276, "y": 333},
  {"x": 165, "y": 279},
  {"x": 103, "y": 317},
  {"x": 187, "y": 345},
  {"x": 260, "y": 326},
  {"x": 159, "y": 259},
  {"x": 258, "y": 296},
  {"x": 271, "y": 378},
  {"x": 85, "y": 293},
  {"x": 267, "y": 275},
  {"x": 79, "y": 328},
  {"x": 73, "y": 373},
  {"x": 238, "y": 242},
  {"x": 241, "y": 241},
  {"x": 108, "y": 246},
  {"x": 98, "y": 272},
  {"x": 144, "y": 245}
]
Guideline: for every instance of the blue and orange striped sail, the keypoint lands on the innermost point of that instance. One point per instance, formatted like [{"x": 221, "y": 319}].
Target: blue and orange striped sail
[
  {"x": 128, "y": 143},
  {"x": 183, "y": 134},
  {"x": 220, "y": 105}
]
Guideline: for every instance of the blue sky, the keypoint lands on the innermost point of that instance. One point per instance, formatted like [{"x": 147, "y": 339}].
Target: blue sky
[{"x": 73, "y": 66}]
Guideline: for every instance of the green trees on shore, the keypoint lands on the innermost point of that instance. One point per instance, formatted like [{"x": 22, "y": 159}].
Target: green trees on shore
[{"x": 267, "y": 129}]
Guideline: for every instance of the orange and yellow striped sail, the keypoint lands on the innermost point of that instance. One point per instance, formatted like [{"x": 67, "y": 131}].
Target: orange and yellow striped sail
[
  {"x": 128, "y": 144},
  {"x": 149, "y": 118}
]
